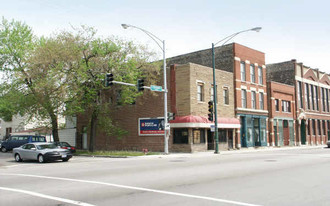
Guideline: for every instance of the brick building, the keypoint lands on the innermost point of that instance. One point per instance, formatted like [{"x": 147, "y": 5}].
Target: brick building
[
  {"x": 281, "y": 105},
  {"x": 249, "y": 74},
  {"x": 190, "y": 89},
  {"x": 190, "y": 93},
  {"x": 312, "y": 96}
]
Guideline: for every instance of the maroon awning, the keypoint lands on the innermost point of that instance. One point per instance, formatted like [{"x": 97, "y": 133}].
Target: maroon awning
[{"x": 203, "y": 122}]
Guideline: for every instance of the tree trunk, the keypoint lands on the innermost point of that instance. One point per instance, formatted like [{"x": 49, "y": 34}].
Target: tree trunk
[
  {"x": 93, "y": 131},
  {"x": 54, "y": 127}
]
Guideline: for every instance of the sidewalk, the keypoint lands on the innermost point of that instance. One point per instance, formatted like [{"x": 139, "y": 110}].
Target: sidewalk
[{"x": 238, "y": 151}]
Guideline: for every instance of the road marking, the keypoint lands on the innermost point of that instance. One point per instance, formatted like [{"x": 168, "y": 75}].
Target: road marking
[
  {"x": 138, "y": 188},
  {"x": 46, "y": 196},
  {"x": 12, "y": 165}
]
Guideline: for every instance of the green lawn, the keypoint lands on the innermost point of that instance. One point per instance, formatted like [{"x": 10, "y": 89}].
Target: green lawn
[{"x": 114, "y": 153}]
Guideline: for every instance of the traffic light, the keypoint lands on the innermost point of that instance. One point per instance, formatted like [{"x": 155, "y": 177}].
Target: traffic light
[
  {"x": 140, "y": 85},
  {"x": 210, "y": 115},
  {"x": 108, "y": 79},
  {"x": 170, "y": 116}
]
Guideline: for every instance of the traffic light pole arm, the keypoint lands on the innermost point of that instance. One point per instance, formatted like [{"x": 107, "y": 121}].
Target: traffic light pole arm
[{"x": 134, "y": 85}]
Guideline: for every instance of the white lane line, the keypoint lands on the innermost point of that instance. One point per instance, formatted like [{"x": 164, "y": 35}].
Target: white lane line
[
  {"x": 12, "y": 165},
  {"x": 46, "y": 196},
  {"x": 138, "y": 188}
]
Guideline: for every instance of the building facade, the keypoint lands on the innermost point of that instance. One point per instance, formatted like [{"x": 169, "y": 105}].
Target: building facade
[
  {"x": 312, "y": 96},
  {"x": 249, "y": 73},
  {"x": 282, "y": 111}
]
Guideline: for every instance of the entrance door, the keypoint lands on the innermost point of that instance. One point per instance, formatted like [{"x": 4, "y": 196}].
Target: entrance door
[
  {"x": 286, "y": 133},
  {"x": 275, "y": 135},
  {"x": 210, "y": 140},
  {"x": 243, "y": 132},
  {"x": 303, "y": 131},
  {"x": 230, "y": 139},
  {"x": 256, "y": 131}
]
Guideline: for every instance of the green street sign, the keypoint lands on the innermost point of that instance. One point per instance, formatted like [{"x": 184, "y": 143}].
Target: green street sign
[{"x": 156, "y": 88}]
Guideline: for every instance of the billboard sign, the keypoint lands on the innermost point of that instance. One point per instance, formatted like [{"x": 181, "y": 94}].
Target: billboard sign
[{"x": 151, "y": 126}]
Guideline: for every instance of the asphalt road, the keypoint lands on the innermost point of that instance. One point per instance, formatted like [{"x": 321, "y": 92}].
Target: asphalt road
[{"x": 286, "y": 177}]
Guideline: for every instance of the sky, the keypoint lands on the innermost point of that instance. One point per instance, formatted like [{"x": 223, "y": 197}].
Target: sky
[{"x": 291, "y": 29}]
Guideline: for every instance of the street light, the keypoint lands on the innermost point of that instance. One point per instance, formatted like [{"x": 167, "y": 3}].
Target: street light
[
  {"x": 162, "y": 47},
  {"x": 257, "y": 29}
]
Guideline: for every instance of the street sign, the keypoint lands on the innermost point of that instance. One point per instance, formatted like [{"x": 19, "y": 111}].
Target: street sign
[
  {"x": 212, "y": 127},
  {"x": 156, "y": 88}
]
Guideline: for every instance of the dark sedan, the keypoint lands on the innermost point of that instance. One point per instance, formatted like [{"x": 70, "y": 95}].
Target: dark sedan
[{"x": 43, "y": 152}]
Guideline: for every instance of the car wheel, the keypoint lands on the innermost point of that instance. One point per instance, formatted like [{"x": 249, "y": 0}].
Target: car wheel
[
  {"x": 65, "y": 160},
  {"x": 18, "y": 158},
  {"x": 41, "y": 159},
  {"x": 3, "y": 149}
]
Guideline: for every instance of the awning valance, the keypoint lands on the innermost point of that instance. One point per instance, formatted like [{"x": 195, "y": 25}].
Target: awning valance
[{"x": 191, "y": 121}]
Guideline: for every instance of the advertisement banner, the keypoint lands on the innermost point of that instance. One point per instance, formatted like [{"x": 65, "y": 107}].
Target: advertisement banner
[{"x": 151, "y": 126}]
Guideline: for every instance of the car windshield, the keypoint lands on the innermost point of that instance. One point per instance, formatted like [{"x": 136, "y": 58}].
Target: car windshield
[{"x": 46, "y": 146}]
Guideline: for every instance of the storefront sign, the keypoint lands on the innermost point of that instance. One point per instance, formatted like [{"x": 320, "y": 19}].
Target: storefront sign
[{"x": 151, "y": 126}]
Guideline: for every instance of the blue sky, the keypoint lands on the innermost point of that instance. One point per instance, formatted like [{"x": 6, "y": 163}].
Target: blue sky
[{"x": 292, "y": 29}]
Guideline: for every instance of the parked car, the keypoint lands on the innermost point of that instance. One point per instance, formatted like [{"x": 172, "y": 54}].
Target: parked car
[
  {"x": 42, "y": 152},
  {"x": 328, "y": 143},
  {"x": 65, "y": 145},
  {"x": 18, "y": 140}
]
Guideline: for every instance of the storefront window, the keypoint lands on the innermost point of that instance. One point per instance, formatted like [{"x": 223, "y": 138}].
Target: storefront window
[
  {"x": 180, "y": 136},
  {"x": 222, "y": 135},
  {"x": 199, "y": 136}
]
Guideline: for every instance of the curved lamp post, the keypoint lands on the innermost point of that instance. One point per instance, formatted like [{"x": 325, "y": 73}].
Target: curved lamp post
[
  {"x": 162, "y": 47},
  {"x": 257, "y": 29}
]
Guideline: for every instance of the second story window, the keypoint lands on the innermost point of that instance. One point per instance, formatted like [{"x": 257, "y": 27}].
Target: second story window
[
  {"x": 243, "y": 71},
  {"x": 226, "y": 96},
  {"x": 277, "y": 106},
  {"x": 261, "y": 100},
  {"x": 286, "y": 106},
  {"x": 260, "y": 77},
  {"x": 307, "y": 97},
  {"x": 200, "y": 92},
  {"x": 243, "y": 98},
  {"x": 300, "y": 99},
  {"x": 253, "y": 100},
  {"x": 252, "y": 73}
]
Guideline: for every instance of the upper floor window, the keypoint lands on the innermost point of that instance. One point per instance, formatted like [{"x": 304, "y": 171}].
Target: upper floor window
[
  {"x": 261, "y": 100},
  {"x": 200, "y": 92},
  {"x": 253, "y": 100},
  {"x": 300, "y": 99},
  {"x": 243, "y": 71},
  {"x": 277, "y": 106},
  {"x": 316, "y": 97},
  {"x": 327, "y": 98},
  {"x": 252, "y": 73},
  {"x": 312, "y": 97},
  {"x": 286, "y": 106},
  {"x": 323, "y": 98},
  {"x": 307, "y": 97},
  {"x": 260, "y": 77},
  {"x": 243, "y": 98},
  {"x": 226, "y": 96}
]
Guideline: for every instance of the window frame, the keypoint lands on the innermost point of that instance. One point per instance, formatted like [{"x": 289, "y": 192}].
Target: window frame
[
  {"x": 244, "y": 100},
  {"x": 253, "y": 100},
  {"x": 260, "y": 75},
  {"x": 225, "y": 96},
  {"x": 261, "y": 100},
  {"x": 200, "y": 94},
  {"x": 252, "y": 74},
  {"x": 243, "y": 71}
]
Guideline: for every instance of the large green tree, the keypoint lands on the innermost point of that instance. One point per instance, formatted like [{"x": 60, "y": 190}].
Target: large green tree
[{"x": 64, "y": 74}]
